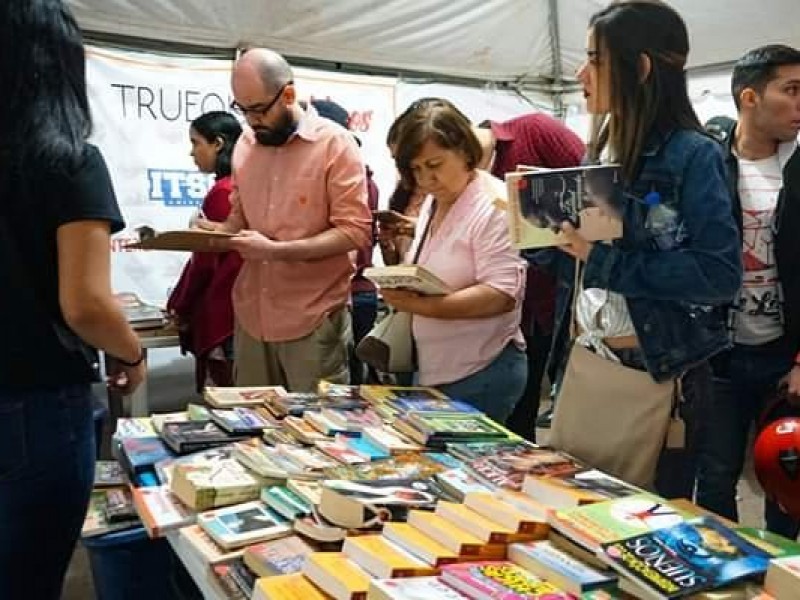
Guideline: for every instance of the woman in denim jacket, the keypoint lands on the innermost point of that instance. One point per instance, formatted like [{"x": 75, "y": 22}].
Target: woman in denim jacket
[
  {"x": 633, "y": 80},
  {"x": 655, "y": 293}
]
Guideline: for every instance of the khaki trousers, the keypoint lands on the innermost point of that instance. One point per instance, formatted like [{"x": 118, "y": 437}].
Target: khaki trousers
[{"x": 298, "y": 365}]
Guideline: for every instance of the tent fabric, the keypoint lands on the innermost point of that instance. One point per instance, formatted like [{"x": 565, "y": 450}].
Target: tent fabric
[{"x": 485, "y": 40}]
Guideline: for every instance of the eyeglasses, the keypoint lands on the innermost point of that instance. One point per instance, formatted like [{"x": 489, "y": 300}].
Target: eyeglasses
[{"x": 261, "y": 109}]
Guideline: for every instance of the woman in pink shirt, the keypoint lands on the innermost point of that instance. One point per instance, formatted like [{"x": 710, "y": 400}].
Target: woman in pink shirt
[{"x": 469, "y": 343}]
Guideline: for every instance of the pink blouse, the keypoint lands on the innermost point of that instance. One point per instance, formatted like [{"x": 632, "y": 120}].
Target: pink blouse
[{"x": 471, "y": 246}]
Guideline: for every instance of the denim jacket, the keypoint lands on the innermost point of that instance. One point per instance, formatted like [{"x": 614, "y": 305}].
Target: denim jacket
[{"x": 675, "y": 296}]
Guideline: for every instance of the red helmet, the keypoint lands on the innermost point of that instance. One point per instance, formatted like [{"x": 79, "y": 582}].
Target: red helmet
[{"x": 777, "y": 462}]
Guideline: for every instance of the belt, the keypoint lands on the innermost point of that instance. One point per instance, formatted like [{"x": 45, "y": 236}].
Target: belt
[{"x": 623, "y": 342}]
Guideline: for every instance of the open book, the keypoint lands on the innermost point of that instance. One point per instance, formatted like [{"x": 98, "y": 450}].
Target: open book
[
  {"x": 540, "y": 200},
  {"x": 409, "y": 277},
  {"x": 181, "y": 240}
]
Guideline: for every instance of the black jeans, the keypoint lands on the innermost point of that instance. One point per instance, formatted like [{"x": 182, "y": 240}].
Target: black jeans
[
  {"x": 522, "y": 420},
  {"x": 47, "y": 455},
  {"x": 364, "y": 312},
  {"x": 742, "y": 384}
]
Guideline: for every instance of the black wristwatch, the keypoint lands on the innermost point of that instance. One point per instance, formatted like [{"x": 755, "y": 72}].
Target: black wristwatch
[{"x": 135, "y": 363}]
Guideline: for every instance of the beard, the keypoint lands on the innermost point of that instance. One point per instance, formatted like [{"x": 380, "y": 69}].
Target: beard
[{"x": 278, "y": 134}]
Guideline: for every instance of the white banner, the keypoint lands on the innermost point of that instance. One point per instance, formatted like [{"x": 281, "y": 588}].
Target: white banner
[{"x": 142, "y": 105}]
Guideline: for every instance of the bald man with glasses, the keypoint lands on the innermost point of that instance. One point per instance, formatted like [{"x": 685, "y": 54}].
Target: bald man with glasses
[{"x": 299, "y": 207}]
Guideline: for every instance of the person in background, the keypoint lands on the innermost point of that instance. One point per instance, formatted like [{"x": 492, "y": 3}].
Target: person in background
[
  {"x": 469, "y": 344},
  {"x": 201, "y": 300},
  {"x": 395, "y": 235},
  {"x": 299, "y": 208},
  {"x": 764, "y": 178},
  {"x": 651, "y": 300},
  {"x": 363, "y": 293},
  {"x": 57, "y": 213},
  {"x": 536, "y": 140}
]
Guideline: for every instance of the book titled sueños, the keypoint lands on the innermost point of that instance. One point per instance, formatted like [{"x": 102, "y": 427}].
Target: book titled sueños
[{"x": 687, "y": 558}]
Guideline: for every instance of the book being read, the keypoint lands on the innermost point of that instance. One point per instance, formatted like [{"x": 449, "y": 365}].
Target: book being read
[
  {"x": 540, "y": 201},
  {"x": 180, "y": 240},
  {"x": 408, "y": 277}
]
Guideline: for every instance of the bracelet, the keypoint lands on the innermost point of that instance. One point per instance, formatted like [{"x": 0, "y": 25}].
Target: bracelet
[{"x": 135, "y": 363}]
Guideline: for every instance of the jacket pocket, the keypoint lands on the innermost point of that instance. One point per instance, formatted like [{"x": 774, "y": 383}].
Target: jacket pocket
[{"x": 13, "y": 440}]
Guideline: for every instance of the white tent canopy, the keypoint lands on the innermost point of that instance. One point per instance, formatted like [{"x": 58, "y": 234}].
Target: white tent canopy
[{"x": 530, "y": 44}]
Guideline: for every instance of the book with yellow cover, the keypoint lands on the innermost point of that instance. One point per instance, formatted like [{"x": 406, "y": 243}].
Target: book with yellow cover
[
  {"x": 420, "y": 545},
  {"x": 485, "y": 529},
  {"x": 454, "y": 538},
  {"x": 532, "y": 521},
  {"x": 334, "y": 574},
  {"x": 287, "y": 587},
  {"x": 380, "y": 558}
]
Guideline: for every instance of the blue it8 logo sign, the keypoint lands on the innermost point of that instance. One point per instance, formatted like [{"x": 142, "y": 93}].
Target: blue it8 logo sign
[{"x": 178, "y": 188}]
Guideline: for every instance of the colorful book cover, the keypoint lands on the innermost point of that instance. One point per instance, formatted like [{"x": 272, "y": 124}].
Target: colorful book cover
[
  {"x": 285, "y": 501},
  {"x": 341, "y": 452},
  {"x": 134, "y": 427},
  {"x": 690, "y": 557},
  {"x": 243, "y": 524},
  {"x": 386, "y": 393},
  {"x": 460, "y": 483},
  {"x": 108, "y": 473},
  {"x": 239, "y": 419},
  {"x": 196, "y": 435},
  {"x": 775, "y": 545},
  {"x": 559, "y": 567},
  {"x": 413, "y": 588},
  {"x": 209, "y": 456},
  {"x": 406, "y": 465},
  {"x": 143, "y": 452},
  {"x": 456, "y": 425},
  {"x": 594, "y": 524},
  {"x": 362, "y": 446},
  {"x": 205, "y": 547},
  {"x": 435, "y": 405},
  {"x": 277, "y": 557},
  {"x": 501, "y": 580}
]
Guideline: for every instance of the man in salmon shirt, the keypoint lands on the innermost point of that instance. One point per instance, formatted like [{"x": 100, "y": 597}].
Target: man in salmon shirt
[{"x": 299, "y": 207}]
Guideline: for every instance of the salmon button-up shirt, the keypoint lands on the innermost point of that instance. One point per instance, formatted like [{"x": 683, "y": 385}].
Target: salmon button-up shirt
[{"x": 314, "y": 182}]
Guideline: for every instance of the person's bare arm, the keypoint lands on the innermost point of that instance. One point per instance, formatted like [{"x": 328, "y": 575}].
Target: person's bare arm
[{"x": 86, "y": 299}]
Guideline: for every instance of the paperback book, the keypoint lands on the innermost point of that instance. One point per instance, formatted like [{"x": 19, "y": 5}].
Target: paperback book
[
  {"x": 539, "y": 201},
  {"x": 499, "y": 579},
  {"x": 696, "y": 555},
  {"x": 243, "y": 524}
]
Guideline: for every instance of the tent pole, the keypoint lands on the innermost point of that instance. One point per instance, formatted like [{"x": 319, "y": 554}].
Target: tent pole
[{"x": 555, "y": 52}]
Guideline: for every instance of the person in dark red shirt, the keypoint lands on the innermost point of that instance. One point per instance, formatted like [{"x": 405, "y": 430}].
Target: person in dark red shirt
[
  {"x": 201, "y": 301},
  {"x": 536, "y": 140}
]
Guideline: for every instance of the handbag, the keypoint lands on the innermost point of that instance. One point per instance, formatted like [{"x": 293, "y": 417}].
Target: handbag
[
  {"x": 389, "y": 345},
  {"x": 610, "y": 416}
]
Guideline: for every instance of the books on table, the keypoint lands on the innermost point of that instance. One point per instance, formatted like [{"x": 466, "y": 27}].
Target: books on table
[
  {"x": 540, "y": 201},
  {"x": 408, "y": 277},
  {"x": 228, "y": 397}
]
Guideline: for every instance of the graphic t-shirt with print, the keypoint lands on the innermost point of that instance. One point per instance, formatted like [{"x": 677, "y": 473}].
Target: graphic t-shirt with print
[{"x": 759, "y": 318}]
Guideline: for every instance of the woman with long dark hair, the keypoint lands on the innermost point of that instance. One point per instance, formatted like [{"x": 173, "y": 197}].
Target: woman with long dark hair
[
  {"x": 201, "y": 301},
  {"x": 650, "y": 301},
  {"x": 57, "y": 212}
]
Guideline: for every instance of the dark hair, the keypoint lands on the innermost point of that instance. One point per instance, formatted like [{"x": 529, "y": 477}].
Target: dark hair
[
  {"x": 439, "y": 121},
  {"x": 45, "y": 118},
  {"x": 658, "y": 103},
  {"x": 219, "y": 124},
  {"x": 758, "y": 67}
]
